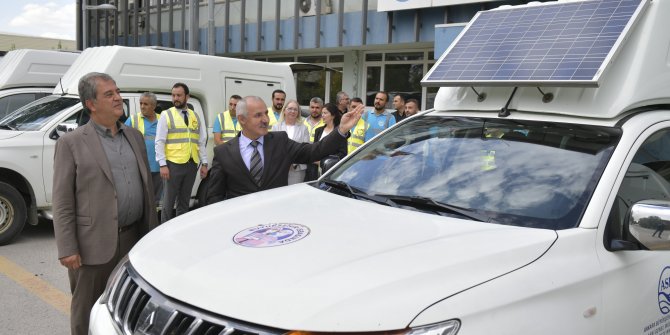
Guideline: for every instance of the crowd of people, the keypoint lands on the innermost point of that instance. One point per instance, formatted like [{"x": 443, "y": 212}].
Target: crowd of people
[{"x": 110, "y": 177}]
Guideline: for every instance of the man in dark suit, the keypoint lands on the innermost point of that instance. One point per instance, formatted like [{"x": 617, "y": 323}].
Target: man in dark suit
[
  {"x": 102, "y": 195},
  {"x": 257, "y": 160}
]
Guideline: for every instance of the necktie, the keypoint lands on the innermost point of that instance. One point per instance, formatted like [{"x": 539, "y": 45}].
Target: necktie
[
  {"x": 185, "y": 117},
  {"x": 256, "y": 164}
]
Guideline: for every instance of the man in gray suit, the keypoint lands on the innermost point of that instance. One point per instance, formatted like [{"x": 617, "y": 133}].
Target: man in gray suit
[{"x": 102, "y": 198}]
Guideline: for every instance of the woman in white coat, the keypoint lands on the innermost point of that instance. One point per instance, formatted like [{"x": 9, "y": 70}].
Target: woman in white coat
[{"x": 292, "y": 123}]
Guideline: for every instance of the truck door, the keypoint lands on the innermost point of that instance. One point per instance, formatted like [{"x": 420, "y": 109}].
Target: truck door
[{"x": 633, "y": 278}]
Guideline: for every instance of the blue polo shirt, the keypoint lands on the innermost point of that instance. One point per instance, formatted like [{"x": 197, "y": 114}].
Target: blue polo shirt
[
  {"x": 377, "y": 123},
  {"x": 149, "y": 141}
]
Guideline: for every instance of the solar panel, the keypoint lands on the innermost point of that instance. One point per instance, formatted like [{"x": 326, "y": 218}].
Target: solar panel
[{"x": 550, "y": 44}]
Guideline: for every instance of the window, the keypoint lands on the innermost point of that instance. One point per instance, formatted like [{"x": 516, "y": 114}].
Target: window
[
  {"x": 647, "y": 177},
  {"x": 11, "y": 103},
  {"x": 529, "y": 174},
  {"x": 399, "y": 73}
]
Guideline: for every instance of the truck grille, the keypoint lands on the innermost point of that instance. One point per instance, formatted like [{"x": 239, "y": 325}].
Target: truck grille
[{"x": 137, "y": 308}]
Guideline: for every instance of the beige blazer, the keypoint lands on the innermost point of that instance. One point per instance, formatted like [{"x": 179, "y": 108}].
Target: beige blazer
[{"x": 84, "y": 196}]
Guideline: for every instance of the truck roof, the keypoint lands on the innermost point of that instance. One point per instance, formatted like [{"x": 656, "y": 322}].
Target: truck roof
[
  {"x": 639, "y": 75},
  {"x": 28, "y": 67},
  {"x": 139, "y": 69}
]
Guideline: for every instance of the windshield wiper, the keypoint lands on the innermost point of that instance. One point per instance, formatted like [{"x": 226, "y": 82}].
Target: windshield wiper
[
  {"x": 358, "y": 193},
  {"x": 7, "y": 126},
  {"x": 426, "y": 202}
]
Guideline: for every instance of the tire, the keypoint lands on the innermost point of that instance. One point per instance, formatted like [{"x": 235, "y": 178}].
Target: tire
[{"x": 13, "y": 213}]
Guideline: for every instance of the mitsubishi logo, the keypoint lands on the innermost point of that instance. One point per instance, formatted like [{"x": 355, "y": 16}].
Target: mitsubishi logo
[{"x": 147, "y": 323}]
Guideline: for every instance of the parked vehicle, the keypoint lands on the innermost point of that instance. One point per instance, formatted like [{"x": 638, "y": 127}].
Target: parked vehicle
[
  {"x": 28, "y": 136},
  {"x": 507, "y": 209},
  {"x": 27, "y": 75}
]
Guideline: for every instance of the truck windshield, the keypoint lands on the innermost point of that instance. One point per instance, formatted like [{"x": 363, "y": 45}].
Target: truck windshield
[
  {"x": 37, "y": 114},
  {"x": 520, "y": 173}
]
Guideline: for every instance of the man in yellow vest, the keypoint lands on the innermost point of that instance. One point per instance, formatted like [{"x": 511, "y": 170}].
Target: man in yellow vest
[
  {"x": 181, "y": 137},
  {"x": 226, "y": 126},
  {"x": 357, "y": 137},
  {"x": 146, "y": 123},
  {"x": 274, "y": 111},
  {"x": 314, "y": 120}
]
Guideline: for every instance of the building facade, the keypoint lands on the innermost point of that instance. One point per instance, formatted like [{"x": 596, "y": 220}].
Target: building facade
[{"x": 370, "y": 45}]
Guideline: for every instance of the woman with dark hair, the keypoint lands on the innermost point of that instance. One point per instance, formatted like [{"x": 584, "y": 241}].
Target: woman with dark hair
[{"x": 331, "y": 116}]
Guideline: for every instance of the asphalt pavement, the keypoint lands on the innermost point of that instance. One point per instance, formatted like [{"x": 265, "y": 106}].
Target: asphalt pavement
[{"x": 34, "y": 290}]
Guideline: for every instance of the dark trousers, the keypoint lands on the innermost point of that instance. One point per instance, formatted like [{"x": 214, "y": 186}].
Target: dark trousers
[
  {"x": 88, "y": 282},
  {"x": 158, "y": 187},
  {"x": 178, "y": 188}
]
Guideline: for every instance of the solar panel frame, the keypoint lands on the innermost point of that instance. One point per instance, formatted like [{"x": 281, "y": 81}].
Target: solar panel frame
[{"x": 523, "y": 68}]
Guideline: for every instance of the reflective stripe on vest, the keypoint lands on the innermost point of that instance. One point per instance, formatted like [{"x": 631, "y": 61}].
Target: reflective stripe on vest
[
  {"x": 273, "y": 118},
  {"x": 357, "y": 137},
  {"x": 311, "y": 128},
  {"x": 228, "y": 129},
  {"x": 137, "y": 122},
  {"x": 181, "y": 143}
]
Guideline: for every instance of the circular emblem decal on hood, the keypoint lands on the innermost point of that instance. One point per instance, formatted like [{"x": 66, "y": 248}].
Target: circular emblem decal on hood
[
  {"x": 270, "y": 235},
  {"x": 664, "y": 291}
]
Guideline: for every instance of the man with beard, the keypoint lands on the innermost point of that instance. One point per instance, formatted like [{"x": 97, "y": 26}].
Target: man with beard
[
  {"x": 274, "y": 111},
  {"x": 378, "y": 119},
  {"x": 312, "y": 122},
  {"x": 180, "y": 146}
]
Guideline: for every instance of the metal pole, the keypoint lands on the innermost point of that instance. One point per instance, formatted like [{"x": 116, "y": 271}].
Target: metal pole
[
  {"x": 259, "y": 25},
  {"x": 84, "y": 42},
  {"x": 277, "y": 18},
  {"x": 211, "y": 32},
  {"x": 183, "y": 24},
  {"x": 147, "y": 23},
  {"x": 171, "y": 25},
  {"x": 317, "y": 33},
  {"x": 159, "y": 29},
  {"x": 226, "y": 28},
  {"x": 243, "y": 23},
  {"x": 364, "y": 27},
  {"x": 194, "y": 31},
  {"x": 340, "y": 23},
  {"x": 79, "y": 21},
  {"x": 296, "y": 24}
]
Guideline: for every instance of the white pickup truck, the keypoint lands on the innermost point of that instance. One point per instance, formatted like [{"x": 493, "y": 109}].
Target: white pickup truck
[{"x": 521, "y": 204}]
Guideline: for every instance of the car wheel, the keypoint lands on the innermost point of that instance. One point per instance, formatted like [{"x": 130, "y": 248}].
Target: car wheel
[{"x": 12, "y": 213}]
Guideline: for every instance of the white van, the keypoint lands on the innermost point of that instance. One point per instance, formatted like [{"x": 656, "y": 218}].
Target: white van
[
  {"x": 28, "y": 136},
  {"x": 27, "y": 75},
  {"x": 507, "y": 209}
]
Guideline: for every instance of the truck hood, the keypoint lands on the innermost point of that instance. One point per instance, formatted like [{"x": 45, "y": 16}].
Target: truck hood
[
  {"x": 353, "y": 266},
  {"x": 7, "y": 134}
]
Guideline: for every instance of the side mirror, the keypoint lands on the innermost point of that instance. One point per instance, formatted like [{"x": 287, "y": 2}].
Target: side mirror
[
  {"x": 328, "y": 163},
  {"x": 649, "y": 223},
  {"x": 63, "y": 128}
]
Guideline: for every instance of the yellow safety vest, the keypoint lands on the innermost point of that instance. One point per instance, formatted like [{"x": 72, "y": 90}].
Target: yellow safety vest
[
  {"x": 273, "y": 119},
  {"x": 311, "y": 128},
  {"x": 357, "y": 137},
  {"x": 181, "y": 143},
  {"x": 137, "y": 122},
  {"x": 228, "y": 128}
]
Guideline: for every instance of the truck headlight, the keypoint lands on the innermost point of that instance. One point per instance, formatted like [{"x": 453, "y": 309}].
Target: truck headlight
[{"x": 450, "y": 327}]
